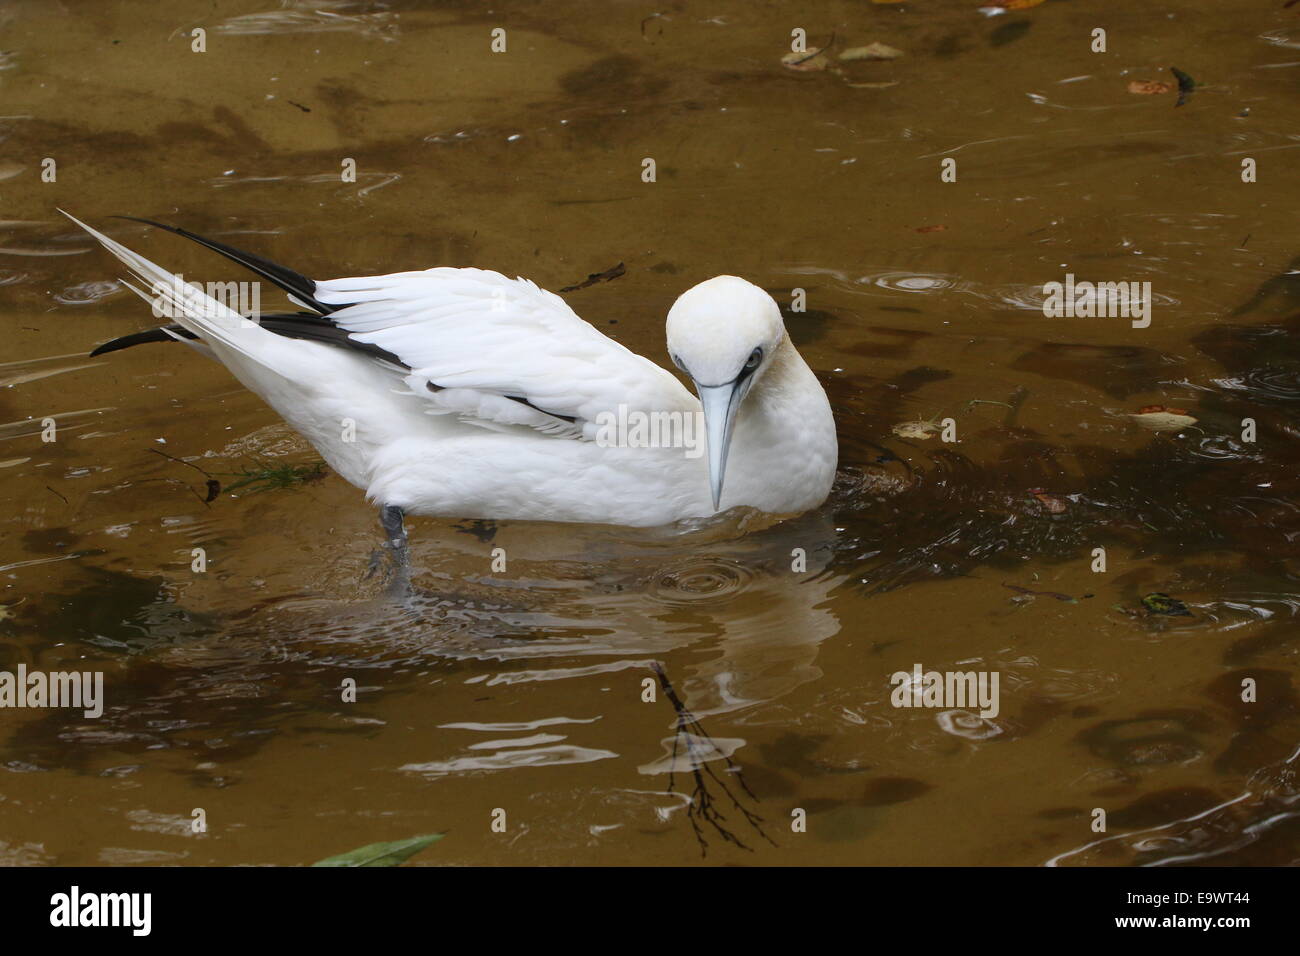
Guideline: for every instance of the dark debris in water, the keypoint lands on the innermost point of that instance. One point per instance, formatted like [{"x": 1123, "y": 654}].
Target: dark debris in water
[
  {"x": 912, "y": 514},
  {"x": 1154, "y": 809},
  {"x": 1185, "y": 85},
  {"x": 1009, "y": 32},
  {"x": 1152, "y": 738},
  {"x": 883, "y": 791},
  {"x": 607, "y": 276},
  {"x": 480, "y": 529},
  {"x": 1051, "y": 594}
]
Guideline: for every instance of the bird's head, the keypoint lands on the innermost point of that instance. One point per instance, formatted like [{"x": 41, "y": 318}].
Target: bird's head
[{"x": 723, "y": 333}]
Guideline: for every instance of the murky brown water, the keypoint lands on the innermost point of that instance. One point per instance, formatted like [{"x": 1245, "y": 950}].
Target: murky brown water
[{"x": 523, "y": 690}]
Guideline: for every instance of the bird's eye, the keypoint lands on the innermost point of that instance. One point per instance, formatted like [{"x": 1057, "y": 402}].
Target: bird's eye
[
  {"x": 677, "y": 361},
  {"x": 755, "y": 357}
]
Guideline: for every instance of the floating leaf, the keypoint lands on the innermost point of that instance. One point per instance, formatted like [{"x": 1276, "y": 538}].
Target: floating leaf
[
  {"x": 1148, "y": 87},
  {"x": 915, "y": 429},
  {"x": 7, "y": 610},
  {"x": 935, "y": 228},
  {"x": 1158, "y": 418},
  {"x": 382, "y": 854},
  {"x": 1055, "y": 505},
  {"x": 1032, "y": 594},
  {"x": 1158, "y": 603},
  {"x": 872, "y": 86},
  {"x": 809, "y": 61},
  {"x": 872, "y": 51}
]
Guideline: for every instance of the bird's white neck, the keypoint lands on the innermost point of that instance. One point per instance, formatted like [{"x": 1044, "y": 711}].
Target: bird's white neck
[{"x": 784, "y": 427}]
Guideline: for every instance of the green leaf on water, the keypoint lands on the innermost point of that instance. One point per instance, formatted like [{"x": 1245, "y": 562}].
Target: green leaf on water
[
  {"x": 1158, "y": 603},
  {"x": 394, "y": 853}
]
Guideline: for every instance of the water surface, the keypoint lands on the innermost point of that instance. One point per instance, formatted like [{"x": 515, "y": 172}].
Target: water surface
[{"x": 523, "y": 690}]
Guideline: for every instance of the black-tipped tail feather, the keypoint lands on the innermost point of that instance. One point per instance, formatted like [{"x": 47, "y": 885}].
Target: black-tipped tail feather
[
  {"x": 142, "y": 338},
  {"x": 294, "y": 283},
  {"x": 312, "y": 326},
  {"x": 293, "y": 325}
]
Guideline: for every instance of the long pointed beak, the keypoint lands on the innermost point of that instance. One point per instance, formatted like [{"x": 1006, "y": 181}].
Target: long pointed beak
[{"x": 720, "y": 403}]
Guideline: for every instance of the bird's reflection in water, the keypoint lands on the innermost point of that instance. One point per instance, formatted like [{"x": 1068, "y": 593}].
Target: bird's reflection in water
[{"x": 719, "y": 619}]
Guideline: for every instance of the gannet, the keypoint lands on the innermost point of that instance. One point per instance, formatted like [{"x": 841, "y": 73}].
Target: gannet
[{"x": 460, "y": 393}]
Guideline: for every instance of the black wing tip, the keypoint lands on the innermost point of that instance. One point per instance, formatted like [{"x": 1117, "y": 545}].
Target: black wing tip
[
  {"x": 141, "y": 338},
  {"x": 175, "y": 230},
  {"x": 288, "y": 280},
  {"x": 151, "y": 222}
]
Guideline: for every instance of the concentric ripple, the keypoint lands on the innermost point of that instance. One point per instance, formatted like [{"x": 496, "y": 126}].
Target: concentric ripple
[
  {"x": 694, "y": 581},
  {"x": 87, "y": 292},
  {"x": 910, "y": 282},
  {"x": 1268, "y": 384}
]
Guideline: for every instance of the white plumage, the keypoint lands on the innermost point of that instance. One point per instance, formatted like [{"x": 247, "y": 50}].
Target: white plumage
[
  {"x": 493, "y": 399},
  {"x": 477, "y": 334}
]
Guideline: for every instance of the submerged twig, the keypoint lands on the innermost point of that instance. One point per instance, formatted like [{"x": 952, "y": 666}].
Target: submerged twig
[
  {"x": 187, "y": 487},
  {"x": 213, "y": 485},
  {"x": 180, "y": 461},
  {"x": 703, "y": 808},
  {"x": 607, "y": 276}
]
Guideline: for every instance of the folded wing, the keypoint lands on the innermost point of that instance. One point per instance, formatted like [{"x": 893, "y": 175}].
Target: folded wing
[{"x": 498, "y": 351}]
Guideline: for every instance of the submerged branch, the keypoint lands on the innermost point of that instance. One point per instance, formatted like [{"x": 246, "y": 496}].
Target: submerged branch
[{"x": 704, "y": 810}]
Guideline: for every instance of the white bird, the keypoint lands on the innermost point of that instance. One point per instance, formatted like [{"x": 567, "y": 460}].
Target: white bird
[{"x": 461, "y": 393}]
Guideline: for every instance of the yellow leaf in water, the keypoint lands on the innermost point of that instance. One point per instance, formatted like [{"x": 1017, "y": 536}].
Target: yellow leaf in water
[
  {"x": 872, "y": 51},
  {"x": 1163, "y": 421},
  {"x": 915, "y": 429}
]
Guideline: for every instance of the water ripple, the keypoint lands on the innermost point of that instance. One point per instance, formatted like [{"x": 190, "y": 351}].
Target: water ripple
[{"x": 694, "y": 581}]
